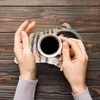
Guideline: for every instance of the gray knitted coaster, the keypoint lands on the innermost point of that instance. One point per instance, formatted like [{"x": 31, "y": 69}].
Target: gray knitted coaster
[{"x": 34, "y": 37}]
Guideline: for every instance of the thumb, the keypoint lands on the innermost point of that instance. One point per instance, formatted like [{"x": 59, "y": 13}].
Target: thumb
[
  {"x": 25, "y": 40},
  {"x": 66, "y": 52}
]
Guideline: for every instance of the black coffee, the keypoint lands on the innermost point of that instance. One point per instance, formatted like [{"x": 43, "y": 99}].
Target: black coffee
[{"x": 49, "y": 45}]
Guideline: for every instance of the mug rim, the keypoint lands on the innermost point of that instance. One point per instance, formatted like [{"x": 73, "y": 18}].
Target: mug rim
[{"x": 54, "y": 54}]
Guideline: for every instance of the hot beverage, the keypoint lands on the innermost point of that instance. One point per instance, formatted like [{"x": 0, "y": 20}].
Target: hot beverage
[{"x": 49, "y": 45}]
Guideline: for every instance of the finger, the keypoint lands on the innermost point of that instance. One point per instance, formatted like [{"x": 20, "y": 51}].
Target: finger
[
  {"x": 60, "y": 58},
  {"x": 61, "y": 69},
  {"x": 72, "y": 54},
  {"x": 17, "y": 38},
  {"x": 73, "y": 45},
  {"x": 25, "y": 40},
  {"x": 66, "y": 52},
  {"x": 23, "y": 26},
  {"x": 60, "y": 66},
  {"x": 61, "y": 35},
  {"x": 81, "y": 45},
  {"x": 30, "y": 27}
]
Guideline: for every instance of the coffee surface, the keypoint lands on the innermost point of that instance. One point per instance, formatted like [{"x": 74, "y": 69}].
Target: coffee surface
[{"x": 49, "y": 45}]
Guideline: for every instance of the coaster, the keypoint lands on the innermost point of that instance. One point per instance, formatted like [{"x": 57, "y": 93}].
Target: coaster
[{"x": 34, "y": 37}]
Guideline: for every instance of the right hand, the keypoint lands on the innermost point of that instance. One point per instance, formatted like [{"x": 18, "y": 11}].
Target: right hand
[{"x": 74, "y": 68}]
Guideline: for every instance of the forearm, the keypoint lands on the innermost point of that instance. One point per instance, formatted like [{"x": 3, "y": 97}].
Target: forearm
[
  {"x": 25, "y": 89},
  {"x": 85, "y": 95}
]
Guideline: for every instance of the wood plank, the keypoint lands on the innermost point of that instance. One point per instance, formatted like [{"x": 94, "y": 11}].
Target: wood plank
[
  {"x": 54, "y": 92},
  {"x": 49, "y": 3},
  {"x": 8, "y": 38},
  {"x": 9, "y": 73},
  {"x": 51, "y": 86},
  {"x": 50, "y": 17},
  {"x": 52, "y": 83},
  {"x": 13, "y": 26},
  {"x": 91, "y": 41}
]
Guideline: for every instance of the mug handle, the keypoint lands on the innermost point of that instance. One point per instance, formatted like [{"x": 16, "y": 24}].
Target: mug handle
[{"x": 66, "y": 25}]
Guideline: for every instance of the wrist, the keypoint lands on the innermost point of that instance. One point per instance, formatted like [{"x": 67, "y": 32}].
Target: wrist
[
  {"x": 28, "y": 76},
  {"x": 79, "y": 88}
]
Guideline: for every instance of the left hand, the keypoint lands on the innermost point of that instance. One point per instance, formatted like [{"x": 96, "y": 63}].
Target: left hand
[{"x": 22, "y": 51}]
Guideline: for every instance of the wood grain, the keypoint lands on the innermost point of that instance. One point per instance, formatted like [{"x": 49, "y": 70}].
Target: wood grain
[
  {"x": 82, "y": 15},
  {"x": 91, "y": 41},
  {"x": 82, "y": 19},
  {"x": 49, "y": 3},
  {"x": 51, "y": 83},
  {"x": 54, "y": 92}
]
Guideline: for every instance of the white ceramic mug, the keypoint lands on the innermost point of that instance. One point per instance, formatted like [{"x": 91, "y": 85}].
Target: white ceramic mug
[{"x": 57, "y": 52}]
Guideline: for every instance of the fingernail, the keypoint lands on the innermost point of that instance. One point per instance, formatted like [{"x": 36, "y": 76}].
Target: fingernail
[
  {"x": 64, "y": 43},
  {"x": 60, "y": 36},
  {"x": 33, "y": 22},
  {"x": 59, "y": 59},
  {"x": 26, "y": 21},
  {"x": 61, "y": 69}
]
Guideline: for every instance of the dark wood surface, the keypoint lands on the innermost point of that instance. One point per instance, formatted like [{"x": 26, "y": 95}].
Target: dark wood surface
[
  {"x": 50, "y": 3},
  {"x": 83, "y": 15}
]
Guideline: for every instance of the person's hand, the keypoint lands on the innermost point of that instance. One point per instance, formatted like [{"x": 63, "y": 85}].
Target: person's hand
[
  {"x": 22, "y": 51},
  {"x": 74, "y": 68}
]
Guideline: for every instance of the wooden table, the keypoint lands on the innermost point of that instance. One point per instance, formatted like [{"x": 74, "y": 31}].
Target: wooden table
[{"x": 83, "y": 15}]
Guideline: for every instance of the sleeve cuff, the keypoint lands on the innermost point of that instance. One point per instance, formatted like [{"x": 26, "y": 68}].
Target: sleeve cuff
[
  {"x": 28, "y": 81},
  {"x": 25, "y": 89},
  {"x": 85, "y": 95}
]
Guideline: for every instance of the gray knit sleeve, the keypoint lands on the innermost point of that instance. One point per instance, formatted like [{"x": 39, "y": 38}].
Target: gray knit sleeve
[
  {"x": 25, "y": 89},
  {"x": 85, "y": 95}
]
